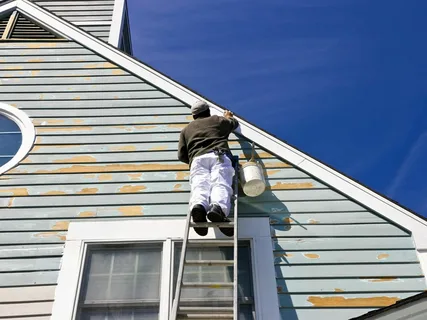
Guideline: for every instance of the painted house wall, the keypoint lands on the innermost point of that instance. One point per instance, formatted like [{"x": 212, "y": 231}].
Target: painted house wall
[
  {"x": 106, "y": 149},
  {"x": 93, "y": 16}
]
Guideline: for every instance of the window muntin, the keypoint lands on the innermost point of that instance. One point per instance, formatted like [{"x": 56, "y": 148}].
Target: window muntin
[
  {"x": 10, "y": 139},
  {"x": 121, "y": 282}
]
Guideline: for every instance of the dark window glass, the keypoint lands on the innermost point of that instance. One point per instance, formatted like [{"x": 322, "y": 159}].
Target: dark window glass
[{"x": 10, "y": 139}]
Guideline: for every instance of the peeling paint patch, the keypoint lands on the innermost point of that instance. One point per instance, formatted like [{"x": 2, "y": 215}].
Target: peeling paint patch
[
  {"x": 131, "y": 211},
  {"x": 177, "y": 125},
  {"x": 86, "y": 214},
  {"x": 88, "y": 78},
  {"x": 287, "y": 220},
  {"x": 339, "y": 301},
  {"x": 88, "y": 191},
  {"x": 282, "y": 186},
  {"x": 53, "y": 193},
  {"x": 134, "y": 176},
  {"x": 145, "y": 127},
  {"x": 35, "y": 60},
  {"x": 65, "y": 129},
  {"x": 60, "y": 236},
  {"x": 14, "y": 68},
  {"x": 311, "y": 256},
  {"x": 233, "y": 143},
  {"x": 78, "y": 121},
  {"x": 35, "y": 72},
  {"x": 41, "y": 45},
  {"x": 278, "y": 164},
  {"x": 76, "y": 98},
  {"x": 385, "y": 279},
  {"x": 89, "y": 175},
  {"x": 76, "y": 159},
  {"x": 99, "y": 65},
  {"x": 16, "y": 191},
  {"x": 17, "y": 170},
  {"x": 105, "y": 177},
  {"x": 177, "y": 187},
  {"x": 10, "y": 202},
  {"x": 159, "y": 148},
  {"x": 313, "y": 221},
  {"x": 338, "y": 290},
  {"x": 257, "y": 155},
  {"x": 61, "y": 225},
  {"x": 123, "y": 148},
  {"x": 272, "y": 172},
  {"x": 118, "y": 72},
  {"x": 182, "y": 175},
  {"x": 189, "y": 118},
  {"x": 14, "y": 105},
  {"x": 132, "y": 188},
  {"x": 48, "y": 121},
  {"x": 382, "y": 256},
  {"x": 116, "y": 167}
]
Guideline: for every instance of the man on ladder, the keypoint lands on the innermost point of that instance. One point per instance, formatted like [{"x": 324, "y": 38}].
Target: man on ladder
[{"x": 203, "y": 145}]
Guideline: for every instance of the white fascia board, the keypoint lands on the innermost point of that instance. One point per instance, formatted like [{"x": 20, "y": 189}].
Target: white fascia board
[
  {"x": 117, "y": 23},
  {"x": 8, "y": 6},
  {"x": 352, "y": 189}
]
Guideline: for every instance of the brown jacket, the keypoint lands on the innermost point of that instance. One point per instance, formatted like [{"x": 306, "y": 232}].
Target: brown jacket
[{"x": 203, "y": 135}]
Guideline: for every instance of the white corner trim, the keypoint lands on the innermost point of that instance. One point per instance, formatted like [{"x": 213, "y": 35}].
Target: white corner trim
[
  {"x": 257, "y": 230},
  {"x": 117, "y": 23},
  {"x": 331, "y": 177},
  {"x": 27, "y": 130}
]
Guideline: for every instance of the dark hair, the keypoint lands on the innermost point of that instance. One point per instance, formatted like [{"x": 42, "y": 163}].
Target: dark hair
[{"x": 204, "y": 114}]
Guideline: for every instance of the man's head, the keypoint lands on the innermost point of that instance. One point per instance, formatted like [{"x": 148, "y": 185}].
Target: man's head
[{"x": 200, "y": 110}]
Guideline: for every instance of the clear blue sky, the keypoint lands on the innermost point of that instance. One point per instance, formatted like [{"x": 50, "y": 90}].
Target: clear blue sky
[{"x": 342, "y": 80}]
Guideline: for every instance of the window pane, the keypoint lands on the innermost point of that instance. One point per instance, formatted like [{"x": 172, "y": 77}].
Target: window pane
[
  {"x": 121, "y": 282},
  {"x": 10, "y": 143},
  {"x": 8, "y": 125},
  {"x": 217, "y": 297}
]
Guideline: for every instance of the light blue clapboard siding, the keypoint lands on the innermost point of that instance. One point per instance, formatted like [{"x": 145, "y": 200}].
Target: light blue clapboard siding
[
  {"x": 92, "y": 16},
  {"x": 106, "y": 149}
]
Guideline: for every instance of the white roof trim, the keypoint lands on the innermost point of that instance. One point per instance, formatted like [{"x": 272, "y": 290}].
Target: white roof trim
[
  {"x": 117, "y": 23},
  {"x": 352, "y": 189}
]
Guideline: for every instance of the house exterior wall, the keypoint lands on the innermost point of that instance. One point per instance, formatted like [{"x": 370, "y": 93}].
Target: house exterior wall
[
  {"x": 106, "y": 149},
  {"x": 93, "y": 16}
]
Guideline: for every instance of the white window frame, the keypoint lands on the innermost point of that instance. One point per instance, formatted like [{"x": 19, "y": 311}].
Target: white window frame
[
  {"x": 27, "y": 130},
  {"x": 82, "y": 234}
]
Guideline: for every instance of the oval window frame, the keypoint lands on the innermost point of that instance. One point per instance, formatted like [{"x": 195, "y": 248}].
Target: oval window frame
[{"x": 27, "y": 130}]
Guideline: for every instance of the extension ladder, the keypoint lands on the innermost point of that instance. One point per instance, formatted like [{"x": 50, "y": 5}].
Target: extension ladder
[{"x": 178, "y": 311}]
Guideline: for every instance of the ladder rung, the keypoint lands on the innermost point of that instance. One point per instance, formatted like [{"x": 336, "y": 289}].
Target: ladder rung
[
  {"x": 211, "y": 285},
  {"x": 206, "y": 316},
  {"x": 211, "y": 243},
  {"x": 209, "y": 262},
  {"x": 212, "y": 224},
  {"x": 201, "y": 310}
]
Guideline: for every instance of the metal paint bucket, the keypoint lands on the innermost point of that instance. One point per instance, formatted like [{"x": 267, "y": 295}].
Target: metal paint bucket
[{"x": 252, "y": 177}]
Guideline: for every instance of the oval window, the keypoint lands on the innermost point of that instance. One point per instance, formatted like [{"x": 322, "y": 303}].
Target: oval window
[{"x": 16, "y": 136}]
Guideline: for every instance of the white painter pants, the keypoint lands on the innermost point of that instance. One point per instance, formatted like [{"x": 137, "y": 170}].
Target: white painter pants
[{"x": 211, "y": 181}]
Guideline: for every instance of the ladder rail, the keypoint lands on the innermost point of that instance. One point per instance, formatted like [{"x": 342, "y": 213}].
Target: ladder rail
[
  {"x": 236, "y": 241},
  {"x": 174, "y": 311}
]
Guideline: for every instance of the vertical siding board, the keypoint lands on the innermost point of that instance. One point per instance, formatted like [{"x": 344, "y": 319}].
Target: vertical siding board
[{"x": 106, "y": 149}]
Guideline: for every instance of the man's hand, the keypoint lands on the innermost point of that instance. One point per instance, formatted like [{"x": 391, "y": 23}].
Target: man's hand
[{"x": 228, "y": 114}]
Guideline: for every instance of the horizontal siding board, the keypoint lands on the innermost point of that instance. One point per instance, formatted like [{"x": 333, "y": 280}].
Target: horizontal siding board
[
  {"x": 91, "y": 12},
  {"x": 11, "y": 238},
  {"x": 61, "y": 73},
  {"x": 56, "y": 65},
  {"x": 301, "y": 206},
  {"x": 326, "y": 218},
  {"x": 96, "y": 28},
  {"x": 71, "y": 3},
  {"x": 322, "y": 313},
  {"x": 109, "y": 188},
  {"x": 132, "y": 167},
  {"x": 98, "y": 104},
  {"x": 314, "y": 285},
  {"x": 373, "y": 300},
  {"x": 26, "y": 309},
  {"x": 88, "y": 57},
  {"x": 126, "y": 157},
  {"x": 183, "y": 197},
  {"x": 18, "y": 82},
  {"x": 27, "y": 294},
  {"x": 29, "y": 250},
  {"x": 29, "y": 264},
  {"x": 106, "y": 18},
  {"x": 342, "y": 230},
  {"x": 359, "y": 256},
  {"x": 91, "y": 96},
  {"x": 39, "y": 45},
  {"x": 356, "y": 270},
  {"x": 33, "y": 52},
  {"x": 89, "y": 88},
  {"x": 63, "y": 179},
  {"x": 88, "y": 8},
  {"x": 28, "y": 278},
  {"x": 370, "y": 242}
]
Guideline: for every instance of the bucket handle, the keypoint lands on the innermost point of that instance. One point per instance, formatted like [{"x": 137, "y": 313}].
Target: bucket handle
[{"x": 253, "y": 153}]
